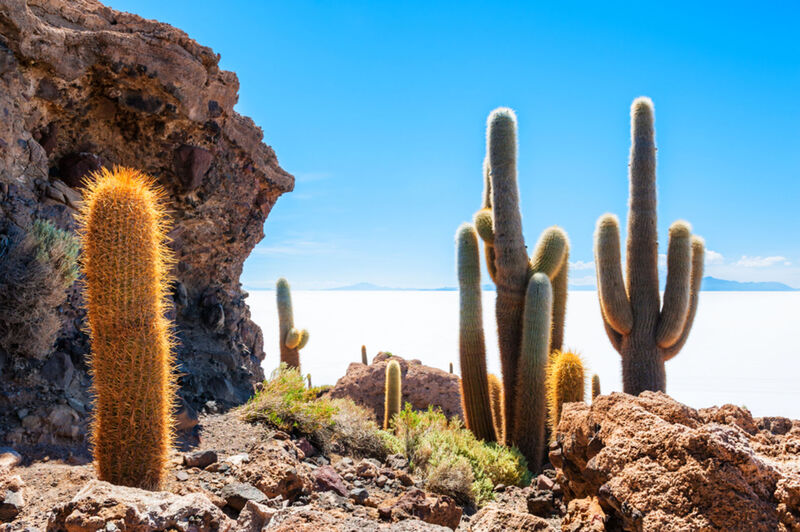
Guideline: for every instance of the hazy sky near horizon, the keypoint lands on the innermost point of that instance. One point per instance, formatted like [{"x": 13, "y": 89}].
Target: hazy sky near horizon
[{"x": 379, "y": 111}]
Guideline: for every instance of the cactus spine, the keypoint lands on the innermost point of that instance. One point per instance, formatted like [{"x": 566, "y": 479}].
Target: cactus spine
[
  {"x": 394, "y": 393},
  {"x": 364, "y": 355},
  {"x": 595, "y": 386},
  {"x": 531, "y": 394},
  {"x": 291, "y": 340},
  {"x": 499, "y": 224},
  {"x": 496, "y": 402},
  {"x": 126, "y": 263},
  {"x": 565, "y": 384},
  {"x": 472, "y": 346},
  {"x": 643, "y": 331}
]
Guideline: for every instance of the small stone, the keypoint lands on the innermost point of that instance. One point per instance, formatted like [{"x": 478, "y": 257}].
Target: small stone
[
  {"x": 366, "y": 469},
  {"x": 199, "y": 459},
  {"x": 237, "y": 494},
  {"x": 182, "y": 476},
  {"x": 405, "y": 479},
  {"x": 346, "y": 462},
  {"x": 238, "y": 459},
  {"x": 9, "y": 457},
  {"x": 305, "y": 446},
  {"x": 11, "y": 505},
  {"x": 543, "y": 482},
  {"x": 321, "y": 460},
  {"x": 218, "y": 467},
  {"x": 254, "y": 517},
  {"x": 381, "y": 481},
  {"x": 541, "y": 503},
  {"x": 359, "y": 495},
  {"x": 397, "y": 461},
  {"x": 327, "y": 479},
  {"x": 349, "y": 477},
  {"x": 500, "y": 488}
]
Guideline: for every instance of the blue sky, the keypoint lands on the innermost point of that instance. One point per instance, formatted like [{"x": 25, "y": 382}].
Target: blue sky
[{"x": 379, "y": 110}]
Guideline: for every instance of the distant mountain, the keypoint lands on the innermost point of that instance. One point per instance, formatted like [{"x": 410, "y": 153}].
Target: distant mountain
[
  {"x": 712, "y": 284},
  {"x": 360, "y": 286}
]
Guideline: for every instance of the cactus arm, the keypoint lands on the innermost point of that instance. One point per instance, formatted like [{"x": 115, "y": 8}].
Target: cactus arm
[
  {"x": 511, "y": 259},
  {"x": 560, "y": 287},
  {"x": 614, "y": 303},
  {"x": 472, "y": 344},
  {"x": 549, "y": 253},
  {"x": 698, "y": 256},
  {"x": 292, "y": 338},
  {"x": 676, "y": 293},
  {"x": 303, "y": 339},
  {"x": 613, "y": 336},
  {"x": 531, "y": 405},
  {"x": 642, "y": 254},
  {"x": 486, "y": 202},
  {"x": 484, "y": 225}
]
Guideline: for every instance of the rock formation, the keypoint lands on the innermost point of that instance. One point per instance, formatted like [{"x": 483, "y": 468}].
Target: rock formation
[
  {"x": 82, "y": 86},
  {"x": 423, "y": 386},
  {"x": 655, "y": 464}
]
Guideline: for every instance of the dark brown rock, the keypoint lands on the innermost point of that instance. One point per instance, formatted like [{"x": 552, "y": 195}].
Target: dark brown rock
[
  {"x": 84, "y": 86},
  {"x": 423, "y": 386},
  {"x": 327, "y": 479},
  {"x": 199, "y": 459},
  {"x": 655, "y": 464},
  {"x": 437, "y": 510}
]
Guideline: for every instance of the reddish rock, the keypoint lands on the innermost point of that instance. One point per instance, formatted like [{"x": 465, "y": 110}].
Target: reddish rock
[
  {"x": 415, "y": 503},
  {"x": 327, "y": 479},
  {"x": 103, "y": 506},
  {"x": 655, "y": 464},
  {"x": 275, "y": 471},
  {"x": 493, "y": 518},
  {"x": 84, "y": 86},
  {"x": 423, "y": 386}
]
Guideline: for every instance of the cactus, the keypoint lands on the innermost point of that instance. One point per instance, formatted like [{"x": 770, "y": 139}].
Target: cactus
[
  {"x": 496, "y": 402},
  {"x": 291, "y": 340},
  {"x": 472, "y": 346},
  {"x": 451, "y": 368},
  {"x": 394, "y": 393},
  {"x": 643, "y": 331},
  {"x": 308, "y": 377},
  {"x": 125, "y": 261},
  {"x": 364, "y": 355},
  {"x": 595, "y": 386},
  {"x": 499, "y": 223},
  {"x": 531, "y": 396},
  {"x": 565, "y": 384}
]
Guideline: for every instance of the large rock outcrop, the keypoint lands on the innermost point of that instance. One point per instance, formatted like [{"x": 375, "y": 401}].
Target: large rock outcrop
[
  {"x": 656, "y": 464},
  {"x": 423, "y": 386},
  {"x": 83, "y": 86}
]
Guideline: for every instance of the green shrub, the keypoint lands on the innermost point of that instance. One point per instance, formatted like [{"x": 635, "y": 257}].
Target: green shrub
[
  {"x": 337, "y": 425},
  {"x": 36, "y": 269},
  {"x": 440, "y": 450}
]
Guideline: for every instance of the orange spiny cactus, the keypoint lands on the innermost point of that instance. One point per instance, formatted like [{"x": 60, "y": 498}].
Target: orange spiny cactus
[{"x": 126, "y": 262}]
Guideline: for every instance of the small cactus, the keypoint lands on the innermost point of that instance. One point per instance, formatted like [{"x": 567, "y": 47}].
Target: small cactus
[
  {"x": 595, "y": 386},
  {"x": 496, "y": 402},
  {"x": 291, "y": 340},
  {"x": 531, "y": 406},
  {"x": 125, "y": 261},
  {"x": 565, "y": 384},
  {"x": 394, "y": 393},
  {"x": 364, "y": 355},
  {"x": 644, "y": 332},
  {"x": 472, "y": 347},
  {"x": 308, "y": 377}
]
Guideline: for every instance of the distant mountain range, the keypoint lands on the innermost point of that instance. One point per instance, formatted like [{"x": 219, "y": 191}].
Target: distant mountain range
[{"x": 710, "y": 284}]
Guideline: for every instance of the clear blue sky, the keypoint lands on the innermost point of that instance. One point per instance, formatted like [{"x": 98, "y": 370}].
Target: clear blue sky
[{"x": 379, "y": 109}]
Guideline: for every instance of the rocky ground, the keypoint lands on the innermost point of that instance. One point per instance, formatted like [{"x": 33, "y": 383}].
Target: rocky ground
[
  {"x": 623, "y": 463},
  {"x": 242, "y": 476}
]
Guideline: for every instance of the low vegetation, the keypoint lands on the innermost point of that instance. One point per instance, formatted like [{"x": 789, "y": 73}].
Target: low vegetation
[
  {"x": 451, "y": 460},
  {"x": 333, "y": 425}
]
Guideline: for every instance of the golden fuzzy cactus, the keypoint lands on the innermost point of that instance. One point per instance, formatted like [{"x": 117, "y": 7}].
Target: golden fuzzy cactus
[
  {"x": 565, "y": 384},
  {"x": 496, "y": 403},
  {"x": 393, "y": 401},
  {"x": 126, "y": 262},
  {"x": 595, "y": 386}
]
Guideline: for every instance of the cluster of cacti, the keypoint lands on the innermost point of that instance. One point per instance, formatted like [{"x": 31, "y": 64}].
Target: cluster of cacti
[
  {"x": 291, "y": 340},
  {"x": 565, "y": 384},
  {"x": 364, "y": 355},
  {"x": 393, "y": 400},
  {"x": 126, "y": 263},
  {"x": 521, "y": 301},
  {"x": 595, "y": 386},
  {"x": 643, "y": 331}
]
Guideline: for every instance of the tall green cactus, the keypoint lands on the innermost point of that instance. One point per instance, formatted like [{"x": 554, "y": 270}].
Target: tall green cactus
[
  {"x": 531, "y": 405},
  {"x": 499, "y": 224},
  {"x": 393, "y": 400},
  {"x": 643, "y": 331},
  {"x": 291, "y": 340},
  {"x": 472, "y": 345}
]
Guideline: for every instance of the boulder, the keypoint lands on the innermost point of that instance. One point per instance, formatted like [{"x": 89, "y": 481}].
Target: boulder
[
  {"x": 103, "y": 506},
  {"x": 327, "y": 479},
  {"x": 423, "y": 386},
  {"x": 493, "y": 518},
  {"x": 415, "y": 503},
  {"x": 652, "y": 463},
  {"x": 83, "y": 86},
  {"x": 275, "y": 470}
]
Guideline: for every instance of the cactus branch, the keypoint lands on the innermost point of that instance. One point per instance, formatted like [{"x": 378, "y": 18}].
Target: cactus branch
[{"x": 676, "y": 293}]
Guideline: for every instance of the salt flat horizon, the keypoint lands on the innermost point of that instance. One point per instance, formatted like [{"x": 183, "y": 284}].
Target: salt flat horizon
[{"x": 725, "y": 360}]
